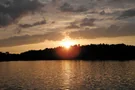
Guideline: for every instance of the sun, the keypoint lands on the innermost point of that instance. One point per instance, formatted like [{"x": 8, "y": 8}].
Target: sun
[{"x": 67, "y": 43}]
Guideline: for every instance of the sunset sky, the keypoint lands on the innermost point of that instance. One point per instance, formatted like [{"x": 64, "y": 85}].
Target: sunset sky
[{"x": 39, "y": 24}]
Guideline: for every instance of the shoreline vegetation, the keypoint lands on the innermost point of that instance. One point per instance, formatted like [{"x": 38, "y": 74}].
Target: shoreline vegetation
[{"x": 92, "y": 52}]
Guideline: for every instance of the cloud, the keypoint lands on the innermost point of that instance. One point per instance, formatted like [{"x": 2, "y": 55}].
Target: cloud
[
  {"x": 127, "y": 14},
  {"x": 66, "y": 7},
  {"x": 112, "y": 31},
  {"x": 87, "y": 22},
  {"x": 81, "y": 23},
  {"x": 27, "y": 39},
  {"x": 126, "y": 1},
  {"x": 86, "y": 13},
  {"x": 72, "y": 26},
  {"x": 102, "y": 12},
  {"x": 121, "y": 3},
  {"x": 32, "y": 25},
  {"x": 87, "y": 33},
  {"x": 11, "y": 10}
]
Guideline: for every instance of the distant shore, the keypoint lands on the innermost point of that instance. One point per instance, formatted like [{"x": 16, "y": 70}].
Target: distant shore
[{"x": 92, "y": 52}]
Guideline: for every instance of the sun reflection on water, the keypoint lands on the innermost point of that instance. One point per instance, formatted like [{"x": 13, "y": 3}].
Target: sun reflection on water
[{"x": 66, "y": 66}]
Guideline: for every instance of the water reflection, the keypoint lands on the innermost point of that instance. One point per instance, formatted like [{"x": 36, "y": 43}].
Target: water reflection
[
  {"x": 65, "y": 74},
  {"x": 66, "y": 68}
]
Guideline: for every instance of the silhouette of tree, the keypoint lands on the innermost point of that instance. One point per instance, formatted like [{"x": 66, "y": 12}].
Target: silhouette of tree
[{"x": 119, "y": 52}]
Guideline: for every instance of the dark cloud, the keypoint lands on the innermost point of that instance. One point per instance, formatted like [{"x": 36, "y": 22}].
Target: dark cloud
[
  {"x": 81, "y": 23},
  {"x": 126, "y": 1},
  {"x": 11, "y": 10},
  {"x": 127, "y": 14},
  {"x": 81, "y": 9},
  {"x": 121, "y": 3},
  {"x": 73, "y": 25},
  {"x": 32, "y": 25},
  {"x": 87, "y": 22},
  {"x": 112, "y": 31},
  {"x": 27, "y": 39},
  {"x": 102, "y": 12},
  {"x": 66, "y": 7}
]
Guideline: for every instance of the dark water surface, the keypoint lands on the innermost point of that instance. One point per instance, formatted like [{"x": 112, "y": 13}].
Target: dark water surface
[{"x": 67, "y": 75}]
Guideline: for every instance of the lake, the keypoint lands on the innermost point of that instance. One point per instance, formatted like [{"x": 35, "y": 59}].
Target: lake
[{"x": 67, "y": 75}]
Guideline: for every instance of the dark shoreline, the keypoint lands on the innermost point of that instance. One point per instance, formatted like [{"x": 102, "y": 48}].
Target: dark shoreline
[
  {"x": 69, "y": 60},
  {"x": 93, "y": 52}
]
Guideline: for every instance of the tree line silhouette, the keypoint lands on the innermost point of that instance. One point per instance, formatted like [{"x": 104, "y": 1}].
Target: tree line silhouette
[{"x": 119, "y": 52}]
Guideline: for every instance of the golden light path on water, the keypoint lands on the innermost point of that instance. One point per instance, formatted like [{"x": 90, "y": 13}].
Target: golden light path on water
[{"x": 67, "y": 74}]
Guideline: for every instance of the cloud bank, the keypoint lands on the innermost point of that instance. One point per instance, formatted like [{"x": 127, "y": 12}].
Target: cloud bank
[
  {"x": 85, "y": 19},
  {"x": 12, "y": 10},
  {"x": 112, "y": 31},
  {"x": 27, "y": 39}
]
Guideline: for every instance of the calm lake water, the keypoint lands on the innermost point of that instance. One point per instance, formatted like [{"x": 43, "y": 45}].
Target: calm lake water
[{"x": 67, "y": 75}]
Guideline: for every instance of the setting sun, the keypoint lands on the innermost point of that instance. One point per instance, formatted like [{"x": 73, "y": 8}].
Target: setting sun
[{"x": 67, "y": 43}]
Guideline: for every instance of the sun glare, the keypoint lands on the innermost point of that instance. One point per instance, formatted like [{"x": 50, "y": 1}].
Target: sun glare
[{"x": 67, "y": 43}]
